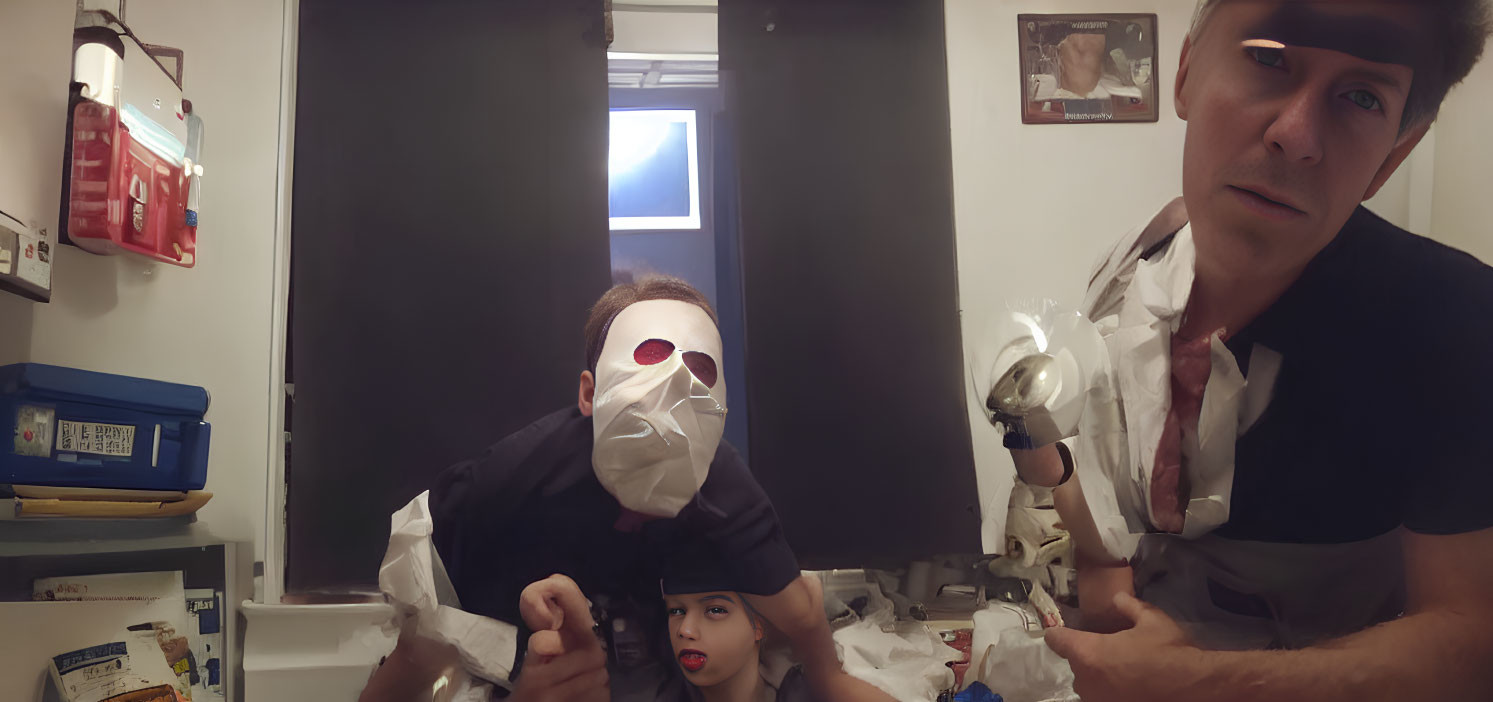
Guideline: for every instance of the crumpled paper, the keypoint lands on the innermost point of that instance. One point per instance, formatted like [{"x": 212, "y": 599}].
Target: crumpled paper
[
  {"x": 1015, "y": 661},
  {"x": 910, "y": 664},
  {"x": 414, "y": 581}
]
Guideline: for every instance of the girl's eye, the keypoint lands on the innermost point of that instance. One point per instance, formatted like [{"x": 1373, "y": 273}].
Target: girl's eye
[
  {"x": 718, "y": 610},
  {"x": 676, "y": 611}
]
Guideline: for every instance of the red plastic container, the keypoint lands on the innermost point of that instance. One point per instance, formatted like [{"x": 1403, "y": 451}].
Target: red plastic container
[
  {"x": 131, "y": 164},
  {"x": 124, "y": 195}
]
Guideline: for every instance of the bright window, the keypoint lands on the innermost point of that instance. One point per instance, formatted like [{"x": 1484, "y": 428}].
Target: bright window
[{"x": 654, "y": 170}]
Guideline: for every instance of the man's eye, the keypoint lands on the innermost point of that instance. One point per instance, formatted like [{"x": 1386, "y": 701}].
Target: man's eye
[
  {"x": 1266, "y": 56},
  {"x": 1365, "y": 99}
]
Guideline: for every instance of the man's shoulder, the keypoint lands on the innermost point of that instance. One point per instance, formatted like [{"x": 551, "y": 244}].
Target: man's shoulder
[
  {"x": 733, "y": 519},
  {"x": 729, "y": 486},
  {"x": 1380, "y": 297},
  {"x": 1111, "y": 273},
  {"x": 541, "y": 454},
  {"x": 1382, "y": 277},
  {"x": 1411, "y": 263},
  {"x": 520, "y": 445}
]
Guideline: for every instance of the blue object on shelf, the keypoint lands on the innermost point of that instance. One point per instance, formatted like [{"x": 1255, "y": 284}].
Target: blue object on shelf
[
  {"x": 77, "y": 428},
  {"x": 977, "y": 692}
]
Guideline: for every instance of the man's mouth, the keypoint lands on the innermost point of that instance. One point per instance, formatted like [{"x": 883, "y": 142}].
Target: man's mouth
[
  {"x": 1269, "y": 204},
  {"x": 691, "y": 660}
]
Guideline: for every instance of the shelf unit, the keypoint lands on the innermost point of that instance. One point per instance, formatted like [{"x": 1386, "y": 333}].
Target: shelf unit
[{"x": 34, "y": 548}]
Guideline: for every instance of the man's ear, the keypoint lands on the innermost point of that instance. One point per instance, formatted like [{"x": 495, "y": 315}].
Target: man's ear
[
  {"x": 1179, "y": 98},
  {"x": 1397, "y": 156},
  {"x": 587, "y": 393}
]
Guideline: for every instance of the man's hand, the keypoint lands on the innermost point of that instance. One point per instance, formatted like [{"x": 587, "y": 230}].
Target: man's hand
[
  {"x": 1151, "y": 660},
  {"x": 565, "y": 661},
  {"x": 1099, "y": 587},
  {"x": 412, "y": 670}
]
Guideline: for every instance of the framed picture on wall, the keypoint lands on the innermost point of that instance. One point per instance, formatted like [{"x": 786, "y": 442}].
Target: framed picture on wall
[{"x": 1088, "y": 68}]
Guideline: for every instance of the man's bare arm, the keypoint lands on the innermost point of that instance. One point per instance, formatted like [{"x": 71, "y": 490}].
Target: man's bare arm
[{"x": 1441, "y": 649}]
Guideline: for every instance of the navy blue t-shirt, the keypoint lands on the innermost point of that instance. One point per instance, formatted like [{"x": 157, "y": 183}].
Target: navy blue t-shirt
[{"x": 1382, "y": 412}]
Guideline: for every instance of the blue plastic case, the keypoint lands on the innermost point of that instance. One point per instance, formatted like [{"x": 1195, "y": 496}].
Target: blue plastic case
[{"x": 77, "y": 428}]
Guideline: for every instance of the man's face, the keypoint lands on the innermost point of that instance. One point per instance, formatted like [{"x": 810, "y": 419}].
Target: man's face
[{"x": 1285, "y": 140}]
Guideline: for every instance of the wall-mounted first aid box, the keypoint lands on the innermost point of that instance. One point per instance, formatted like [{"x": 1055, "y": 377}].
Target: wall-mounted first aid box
[{"x": 77, "y": 428}]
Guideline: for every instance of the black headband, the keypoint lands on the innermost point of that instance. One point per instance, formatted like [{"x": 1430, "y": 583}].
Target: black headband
[{"x": 1368, "y": 37}]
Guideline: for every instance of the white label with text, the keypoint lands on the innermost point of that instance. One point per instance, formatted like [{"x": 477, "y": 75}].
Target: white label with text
[{"x": 91, "y": 437}]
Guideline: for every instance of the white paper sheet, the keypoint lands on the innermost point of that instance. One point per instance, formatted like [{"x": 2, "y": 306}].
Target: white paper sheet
[
  {"x": 911, "y": 666},
  {"x": 414, "y": 581}
]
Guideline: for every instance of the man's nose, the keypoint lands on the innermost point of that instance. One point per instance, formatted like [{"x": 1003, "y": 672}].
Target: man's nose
[{"x": 1297, "y": 131}]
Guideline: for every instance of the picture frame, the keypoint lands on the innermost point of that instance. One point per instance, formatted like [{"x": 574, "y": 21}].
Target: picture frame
[{"x": 1088, "y": 68}]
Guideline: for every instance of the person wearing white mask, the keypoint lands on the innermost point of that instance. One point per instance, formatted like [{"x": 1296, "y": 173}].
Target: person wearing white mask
[{"x": 591, "y": 502}]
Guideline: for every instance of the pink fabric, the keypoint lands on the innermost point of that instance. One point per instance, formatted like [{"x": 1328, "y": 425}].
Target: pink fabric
[{"x": 1191, "y": 365}]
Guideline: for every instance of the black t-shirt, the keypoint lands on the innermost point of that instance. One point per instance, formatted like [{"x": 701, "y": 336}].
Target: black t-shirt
[
  {"x": 1382, "y": 412},
  {"x": 531, "y": 506}
]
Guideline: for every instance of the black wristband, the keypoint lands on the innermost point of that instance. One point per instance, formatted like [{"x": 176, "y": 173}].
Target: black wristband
[{"x": 1067, "y": 457}]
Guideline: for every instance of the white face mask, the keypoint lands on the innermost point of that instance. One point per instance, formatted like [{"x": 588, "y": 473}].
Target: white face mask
[{"x": 657, "y": 420}]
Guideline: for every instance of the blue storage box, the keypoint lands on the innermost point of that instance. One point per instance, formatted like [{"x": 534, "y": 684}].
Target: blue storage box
[{"x": 77, "y": 428}]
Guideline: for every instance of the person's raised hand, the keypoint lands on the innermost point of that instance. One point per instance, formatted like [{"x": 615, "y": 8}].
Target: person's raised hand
[{"x": 565, "y": 661}]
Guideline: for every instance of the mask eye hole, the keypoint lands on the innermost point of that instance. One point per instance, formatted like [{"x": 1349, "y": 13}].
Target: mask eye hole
[
  {"x": 652, "y": 351},
  {"x": 702, "y": 366}
]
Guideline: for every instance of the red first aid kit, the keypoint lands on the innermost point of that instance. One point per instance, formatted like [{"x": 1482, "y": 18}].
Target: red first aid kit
[{"x": 133, "y": 169}]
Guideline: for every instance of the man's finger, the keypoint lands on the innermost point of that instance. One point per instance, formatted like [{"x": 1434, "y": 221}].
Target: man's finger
[
  {"x": 536, "y": 607},
  {"x": 562, "y": 668},
  {"x": 546, "y": 643},
  {"x": 1067, "y": 643},
  {"x": 586, "y": 687},
  {"x": 1131, "y": 607},
  {"x": 556, "y": 604}
]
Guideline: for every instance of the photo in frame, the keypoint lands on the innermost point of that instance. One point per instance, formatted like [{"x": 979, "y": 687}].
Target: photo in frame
[{"x": 1088, "y": 68}]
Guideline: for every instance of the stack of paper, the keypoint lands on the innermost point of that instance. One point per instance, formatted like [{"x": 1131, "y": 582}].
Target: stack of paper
[{"x": 189, "y": 657}]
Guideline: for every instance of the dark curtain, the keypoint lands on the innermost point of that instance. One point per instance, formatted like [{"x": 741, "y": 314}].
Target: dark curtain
[
  {"x": 449, "y": 235},
  {"x": 859, "y": 431}
]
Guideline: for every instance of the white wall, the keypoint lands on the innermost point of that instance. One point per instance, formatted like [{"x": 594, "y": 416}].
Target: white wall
[
  {"x": 1461, "y": 210},
  {"x": 663, "y": 32},
  {"x": 209, "y": 325},
  {"x": 1035, "y": 205},
  {"x": 34, "y": 71}
]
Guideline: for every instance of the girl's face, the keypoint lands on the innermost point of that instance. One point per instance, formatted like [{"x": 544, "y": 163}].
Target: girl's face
[{"x": 713, "y": 634}]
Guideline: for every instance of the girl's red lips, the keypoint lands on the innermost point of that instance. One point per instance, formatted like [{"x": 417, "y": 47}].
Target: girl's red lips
[{"x": 692, "y": 660}]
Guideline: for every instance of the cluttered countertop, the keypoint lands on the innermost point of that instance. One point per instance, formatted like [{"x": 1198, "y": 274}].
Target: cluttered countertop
[{"x": 963, "y": 629}]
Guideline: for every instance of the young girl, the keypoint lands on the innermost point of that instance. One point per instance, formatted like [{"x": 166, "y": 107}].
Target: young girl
[{"x": 717, "y": 640}]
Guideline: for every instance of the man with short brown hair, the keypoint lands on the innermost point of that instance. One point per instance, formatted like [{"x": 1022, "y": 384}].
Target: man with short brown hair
[{"x": 1304, "y": 450}]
